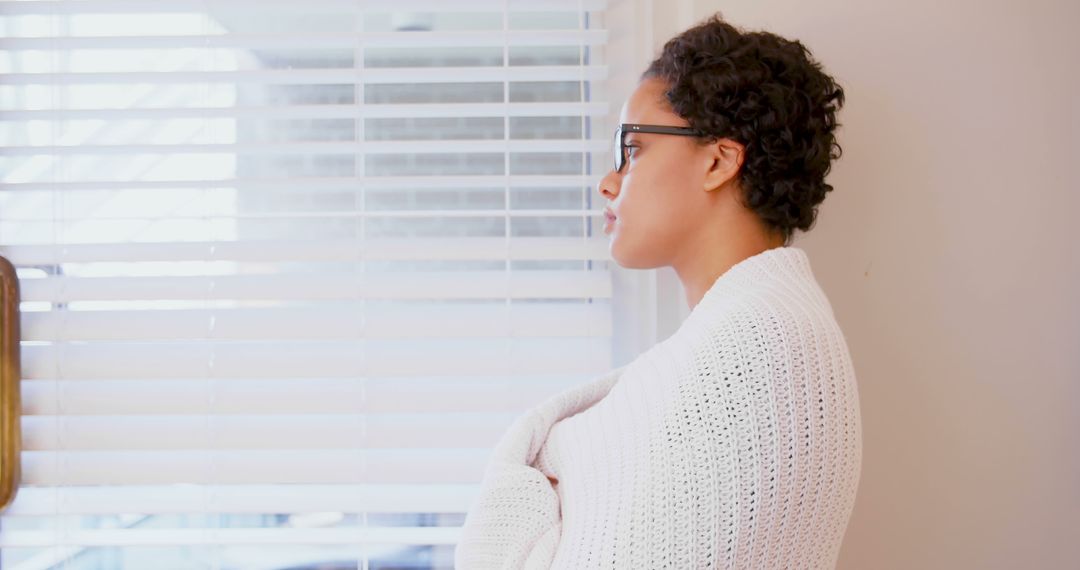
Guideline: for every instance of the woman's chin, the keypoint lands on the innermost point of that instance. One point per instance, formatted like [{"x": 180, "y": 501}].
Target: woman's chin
[
  {"x": 627, "y": 257},
  {"x": 613, "y": 249},
  {"x": 618, "y": 253}
]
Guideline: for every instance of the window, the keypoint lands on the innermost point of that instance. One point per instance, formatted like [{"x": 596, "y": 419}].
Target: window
[{"x": 289, "y": 269}]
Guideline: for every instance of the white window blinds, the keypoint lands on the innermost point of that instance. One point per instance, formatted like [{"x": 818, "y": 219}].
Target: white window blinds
[{"x": 289, "y": 269}]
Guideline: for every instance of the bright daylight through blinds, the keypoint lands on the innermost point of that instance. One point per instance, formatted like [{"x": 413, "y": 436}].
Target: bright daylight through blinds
[{"x": 289, "y": 269}]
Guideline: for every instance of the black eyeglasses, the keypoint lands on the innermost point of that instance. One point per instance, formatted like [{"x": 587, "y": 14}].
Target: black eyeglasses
[{"x": 621, "y": 132}]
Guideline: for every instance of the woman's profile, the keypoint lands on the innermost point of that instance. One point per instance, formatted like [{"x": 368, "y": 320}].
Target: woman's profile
[{"x": 736, "y": 442}]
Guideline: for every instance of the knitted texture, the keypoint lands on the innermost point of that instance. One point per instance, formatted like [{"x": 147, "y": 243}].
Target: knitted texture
[{"x": 734, "y": 443}]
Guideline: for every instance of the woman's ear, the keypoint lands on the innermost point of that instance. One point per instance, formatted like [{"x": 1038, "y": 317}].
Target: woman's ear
[{"x": 725, "y": 159}]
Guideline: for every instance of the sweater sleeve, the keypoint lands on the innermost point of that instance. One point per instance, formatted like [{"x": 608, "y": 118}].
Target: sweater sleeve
[{"x": 515, "y": 522}]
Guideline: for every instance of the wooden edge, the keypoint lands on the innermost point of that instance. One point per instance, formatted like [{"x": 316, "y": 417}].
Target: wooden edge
[{"x": 10, "y": 373}]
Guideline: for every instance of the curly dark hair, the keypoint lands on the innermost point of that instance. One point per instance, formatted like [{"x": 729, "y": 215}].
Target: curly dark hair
[{"x": 767, "y": 93}]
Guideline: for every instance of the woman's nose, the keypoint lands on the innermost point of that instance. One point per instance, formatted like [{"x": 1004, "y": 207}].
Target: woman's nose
[{"x": 609, "y": 185}]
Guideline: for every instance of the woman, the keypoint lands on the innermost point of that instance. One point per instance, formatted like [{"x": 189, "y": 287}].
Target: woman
[{"x": 736, "y": 442}]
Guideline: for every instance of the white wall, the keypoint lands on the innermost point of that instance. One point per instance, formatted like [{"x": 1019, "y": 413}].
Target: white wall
[{"x": 947, "y": 252}]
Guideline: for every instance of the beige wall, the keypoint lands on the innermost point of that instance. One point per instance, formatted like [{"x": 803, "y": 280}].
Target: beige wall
[{"x": 947, "y": 253}]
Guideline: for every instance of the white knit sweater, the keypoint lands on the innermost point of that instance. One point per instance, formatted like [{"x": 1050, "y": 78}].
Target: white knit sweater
[{"x": 734, "y": 443}]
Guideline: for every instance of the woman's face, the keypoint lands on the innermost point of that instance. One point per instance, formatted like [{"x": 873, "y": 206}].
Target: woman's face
[{"x": 659, "y": 197}]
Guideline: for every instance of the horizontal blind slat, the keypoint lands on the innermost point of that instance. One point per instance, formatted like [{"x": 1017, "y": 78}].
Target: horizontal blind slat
[
  {"x": 236, "y": 467},
  {"x": 319, "y": 147},
  {"x": 309, "y": 184},
  {"x": 369, "y": 76},
  {"x": 344, "y": 432},
  {"x": 344, "y": 250},
  {"x": 267, "y": 536},
  {"x": 240, "y": 499},
  {"x": 328, "y": 111},
  {"x": 330, "y": 359},
  {"x": 443, "y": 393},
  {"x": 412, "y": 39},
  {"x": 522, "y": 284},
  {"x": 59, "y": 7},
  {"x": 334, "y": 322},
  {"x": 254, "y": 218}
]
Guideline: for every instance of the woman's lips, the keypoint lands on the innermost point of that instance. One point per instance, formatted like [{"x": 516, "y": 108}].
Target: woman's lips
[{"x": 609, "y": 219}]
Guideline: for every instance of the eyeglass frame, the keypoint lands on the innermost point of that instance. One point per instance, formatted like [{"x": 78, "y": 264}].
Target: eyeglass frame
[{"x": 621, "y": 132}]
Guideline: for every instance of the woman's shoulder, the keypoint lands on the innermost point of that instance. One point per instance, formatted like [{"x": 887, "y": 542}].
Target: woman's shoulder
[{"x": 762, "y": 324}]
